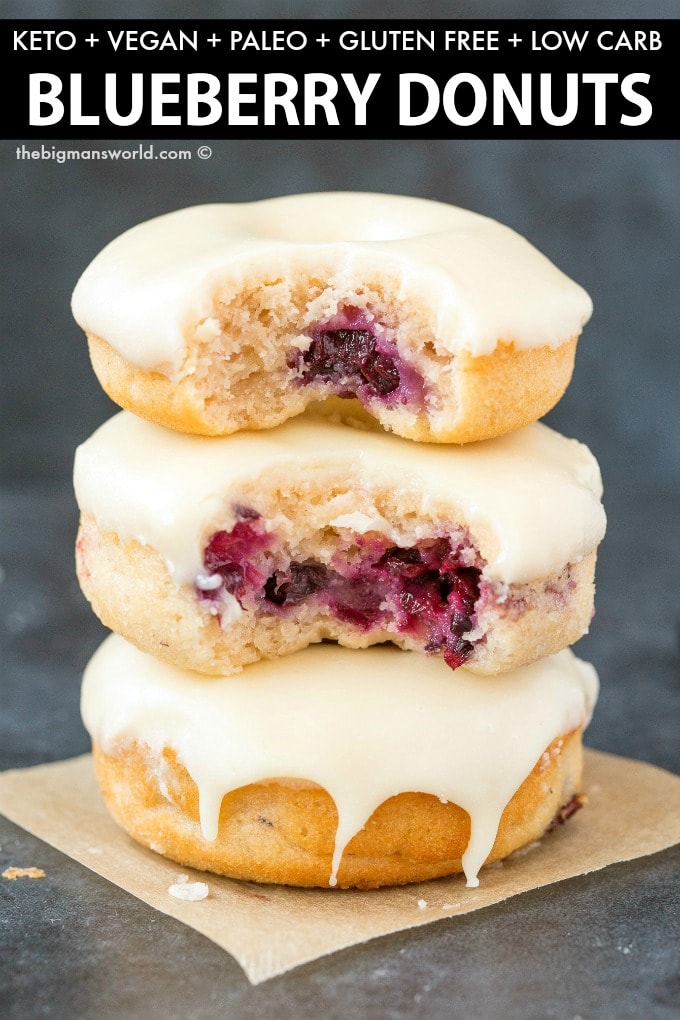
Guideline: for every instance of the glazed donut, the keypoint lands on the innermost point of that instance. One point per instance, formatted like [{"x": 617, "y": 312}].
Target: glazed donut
[
  {"x": 215, "y": 552},
  {"x": 448, "y": 326},
  {"x": 332, "y": 766}
]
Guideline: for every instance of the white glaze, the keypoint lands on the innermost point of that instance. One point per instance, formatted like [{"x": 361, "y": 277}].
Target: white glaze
[
  {"x": 531, "y": 498},
  {"x": 151, "y": 288},
  {"x": 365, "y": 725}
]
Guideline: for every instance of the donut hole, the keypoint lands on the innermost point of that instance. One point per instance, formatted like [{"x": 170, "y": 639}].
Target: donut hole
[{"x": 365, "y": 218}]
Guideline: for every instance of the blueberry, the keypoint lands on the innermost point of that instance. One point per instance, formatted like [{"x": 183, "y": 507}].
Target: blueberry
[
  {"x": 456, "y": 653},
  {"x": 380, "y": 372},
  {"x": 337, "y": 354},
  {"x": 405, "y": 563},
  {"x": 345, "y": 356},
  {"x": 460, "y": 623},
  {"x": 291, "y": 587}
]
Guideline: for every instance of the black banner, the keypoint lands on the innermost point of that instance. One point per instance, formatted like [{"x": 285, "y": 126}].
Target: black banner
[{"x": 341, "y": 79}]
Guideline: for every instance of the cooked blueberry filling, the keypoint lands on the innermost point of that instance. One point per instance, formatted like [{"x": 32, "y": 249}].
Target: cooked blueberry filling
[
  {"x": 353, "y": 353},
  {"x": 357, "y": 600},
  {"x": 426, "y": 591},
  {"x": 229, "y": 554},
  {"x": 292, "y": 586},
  {"x": 348, "y": 357}
]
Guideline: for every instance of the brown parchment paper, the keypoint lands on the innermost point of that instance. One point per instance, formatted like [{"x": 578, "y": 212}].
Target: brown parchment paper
[{"x": 633, "y": 809}]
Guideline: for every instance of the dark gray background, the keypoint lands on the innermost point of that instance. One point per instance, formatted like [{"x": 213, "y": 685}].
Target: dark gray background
[{"x": 608, "y": 213}]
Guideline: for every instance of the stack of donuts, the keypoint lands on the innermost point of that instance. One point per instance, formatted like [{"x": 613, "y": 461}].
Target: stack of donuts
[{"x": 342, "y": 560}]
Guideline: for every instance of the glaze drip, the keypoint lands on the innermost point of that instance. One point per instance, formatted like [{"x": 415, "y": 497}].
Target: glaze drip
[{"x": 319, "y": 716}]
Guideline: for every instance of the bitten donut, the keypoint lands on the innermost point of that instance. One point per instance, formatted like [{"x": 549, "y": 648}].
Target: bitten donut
[
  {"x": 215, "y": 552},
  {"x": 446, "y": 325},
  {"x": 334, "y": 766}
]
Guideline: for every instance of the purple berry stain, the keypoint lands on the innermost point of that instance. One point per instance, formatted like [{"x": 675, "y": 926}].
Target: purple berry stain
[
  {"x": 426, "y": 591},
  {"x": 230, "y": 554}
]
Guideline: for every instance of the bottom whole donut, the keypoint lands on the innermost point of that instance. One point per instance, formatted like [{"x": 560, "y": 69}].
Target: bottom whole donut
[
  {"x": 284, "y": 832},
  {"x": 335, "y": 766}
]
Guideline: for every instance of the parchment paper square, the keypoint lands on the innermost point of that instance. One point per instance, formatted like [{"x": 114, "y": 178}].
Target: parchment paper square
[{"x": 633, "y": 810}]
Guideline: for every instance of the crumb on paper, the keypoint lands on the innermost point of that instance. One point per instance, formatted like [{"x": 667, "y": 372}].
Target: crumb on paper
[
  {"x": 183, "y": 889},
  {"x": 12, "y": 873},
  {"x": 422, "y": 904},
  {"x": 450, "y": 906},
  {"x": 96, "y": 850}
]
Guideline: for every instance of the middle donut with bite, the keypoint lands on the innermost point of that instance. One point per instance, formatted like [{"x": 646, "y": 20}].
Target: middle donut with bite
[{"x": 211, "y": 553}]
